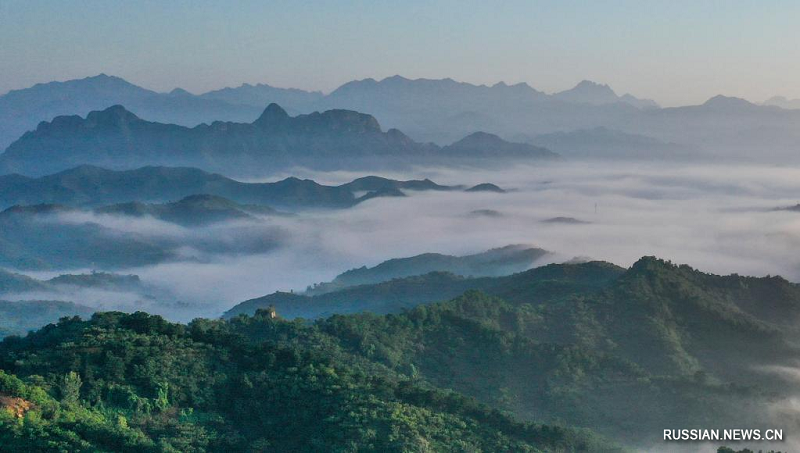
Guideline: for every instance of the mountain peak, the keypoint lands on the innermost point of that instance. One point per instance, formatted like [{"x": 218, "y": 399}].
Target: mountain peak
[
  {"x": 273, "y": 114},
  {"x": 722, "y": 101},
  {"x": 484, "y": 144},
  {"x": 588, "y": 84},
  {"x": 588, "y": 87},
  {"x": 588, "y": 92},
  {"x": 114, "y": 115},
  {"x": 481, "y": 137},
  {"x": 179, "y": 92},
  {"x": 396, "y": 78}
]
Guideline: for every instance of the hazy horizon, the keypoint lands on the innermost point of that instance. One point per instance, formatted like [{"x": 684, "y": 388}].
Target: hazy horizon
[{"x": 677, "y": 54}]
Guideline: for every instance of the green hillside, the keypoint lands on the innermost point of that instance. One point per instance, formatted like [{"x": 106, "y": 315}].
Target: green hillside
[
  {"x": 138, "y": 383},
  {"x": 625, "y": 352}
]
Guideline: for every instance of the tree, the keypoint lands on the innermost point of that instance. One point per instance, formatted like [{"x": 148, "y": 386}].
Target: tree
[{"x": 71, "y": 388}]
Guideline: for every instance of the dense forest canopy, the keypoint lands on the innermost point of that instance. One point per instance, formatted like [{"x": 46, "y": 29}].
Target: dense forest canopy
[{"x": 554, "y": 351}]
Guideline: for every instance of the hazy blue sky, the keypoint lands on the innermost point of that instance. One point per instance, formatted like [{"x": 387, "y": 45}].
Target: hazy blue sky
[{"x": 676, "y": 52}]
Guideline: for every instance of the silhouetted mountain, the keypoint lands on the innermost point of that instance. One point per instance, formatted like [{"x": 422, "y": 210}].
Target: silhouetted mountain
[
  {"x": 14, "y": 283},
  {"x": 440, "y": 111},
  {"x": 495, "y": 262},
  {"x": 262, "y": 94},
  {"x": 95, "y": 186},
  {"x": 724, "y": 104},
  {"x": 375, "y": 183},
  {"x": 589, "y": 92},
  {"x": 483, "y": 145},
  {"x": 489, "y": 213},
  {"x": 403, "y": 95},
  {"x": 21, "y": 317},
  {"x": 22, "y": 110},
  {"x": 604, "y": 143},
  {"x": 565, "y": 220},
  {"x": 190, "y": 211},
  {"x": 116, "y": 138},
  {"x": 486, "y": 187},
  {"x": 725, "y": 127},
  {"x": 429, "y": 110},
  {"x": 783, "y": 102}
]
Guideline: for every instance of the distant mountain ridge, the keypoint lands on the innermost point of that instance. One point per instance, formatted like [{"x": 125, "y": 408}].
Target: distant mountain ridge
[
  {"x": 594, "y": 93},
  {"x": 193, "y": 210},
  {"x": 495, "y": 262},
  {"x": 783, "y": 102},
  {"x": 21, "y": 110},
  {"x": 117, "y": 138},
  {"x": 482, "y": 144},
  {"x": 94, "y": 186},
  {"x": 440, "y": 111},
  {"x": 604, "y": 143}
]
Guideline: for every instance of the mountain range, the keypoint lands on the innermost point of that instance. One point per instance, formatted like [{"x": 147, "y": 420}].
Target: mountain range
[
  {"x": 194, "y": 210},
  {"x": 495, "y": 262},
  {"x": 21, "y": 110},
  {"x": 94, "y": 186},
  {"x": 783, "y": 102},
  {"x": 116, "y": 138},
  {"x": 439, "y": 111},
  {"x": 603, "y": 143}
]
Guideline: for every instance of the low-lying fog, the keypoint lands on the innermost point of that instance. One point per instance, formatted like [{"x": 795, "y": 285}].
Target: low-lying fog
[{"x": 717, "y": 218}]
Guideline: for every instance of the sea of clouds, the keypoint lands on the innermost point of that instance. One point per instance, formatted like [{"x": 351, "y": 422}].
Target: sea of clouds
[{"x": 717, "y": 218}]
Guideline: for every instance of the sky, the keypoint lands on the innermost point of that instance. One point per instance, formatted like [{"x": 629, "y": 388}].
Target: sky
[{"x": 676, "y": 52}]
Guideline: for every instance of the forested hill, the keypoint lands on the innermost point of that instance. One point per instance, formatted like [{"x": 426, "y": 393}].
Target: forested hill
[
  {"x": 137, "y": 383},
  {"x": 393, "y": 295},
  {"x": 592, "y": 344},
  {"x": 621, "y": 352}
]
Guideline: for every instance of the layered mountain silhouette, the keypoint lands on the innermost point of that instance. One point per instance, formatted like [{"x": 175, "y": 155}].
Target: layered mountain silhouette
[
  {"x": 21, "y": 316},
  {"x": 94, "y": 186},
  {"x": 484, "y": 145},
  {"x": 604, "y": 143},
  {"x": 440, "y": 111},
  {"x": 589, "y": 92},
  {"x": 495, "y": 262},
  {"x": 21, "y": 110},
  {"x": 261, "y": 94},
  {"x": 193, "y": 210},
  {"x": 783, "y": 102},
  {"x": 117, "y": 138}
]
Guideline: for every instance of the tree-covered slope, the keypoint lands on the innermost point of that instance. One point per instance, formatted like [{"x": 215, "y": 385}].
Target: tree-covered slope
[
  {"x": 399, "y": 293},
  {"x": 626, "y": 352},
  {"x": 623, "y": 352},
  {"x": 138, "y": 383}
]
